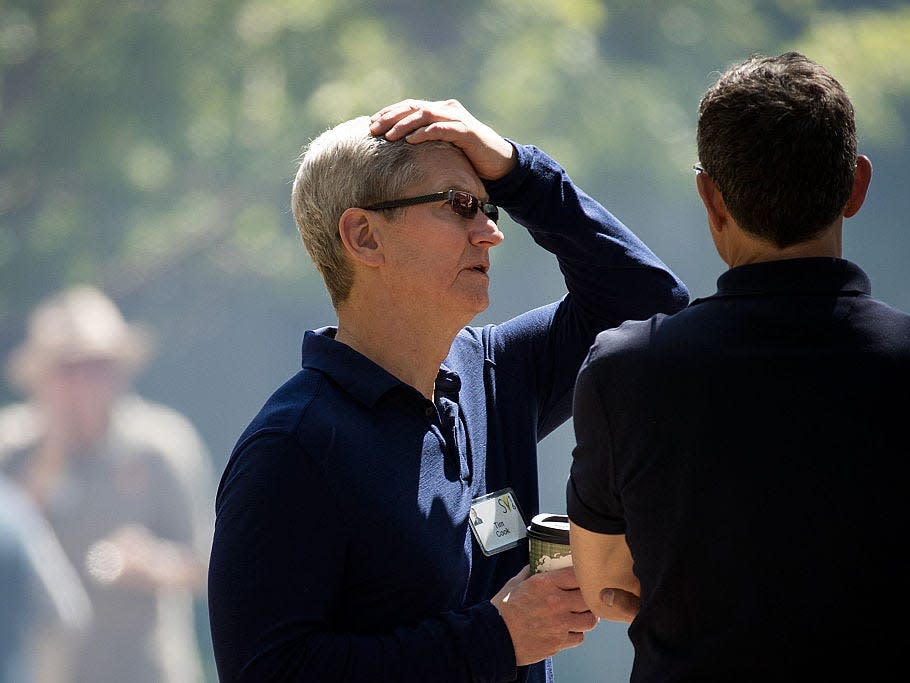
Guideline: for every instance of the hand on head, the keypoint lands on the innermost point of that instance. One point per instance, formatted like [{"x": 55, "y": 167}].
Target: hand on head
[{"x": 419, "y": 120}]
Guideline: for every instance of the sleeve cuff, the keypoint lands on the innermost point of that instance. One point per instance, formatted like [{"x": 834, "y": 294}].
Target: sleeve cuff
[
  {"x": 509, "y": 185},
  {"x": 581, "y": 514},
  {"x": 494, "y": 643}
]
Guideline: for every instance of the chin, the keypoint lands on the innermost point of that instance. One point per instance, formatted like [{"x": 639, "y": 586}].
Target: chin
[
  {"x": 470, "y": 303},
  {"x": 482, "y": 305},
  {"x": 471, "y": 312}
]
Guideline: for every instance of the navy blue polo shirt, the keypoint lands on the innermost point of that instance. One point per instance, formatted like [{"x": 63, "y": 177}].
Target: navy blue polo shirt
[{"x": 342, "y": 546}]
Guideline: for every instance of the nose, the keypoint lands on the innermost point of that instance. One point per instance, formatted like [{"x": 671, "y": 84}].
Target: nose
[{"x": 484, "y": 231}]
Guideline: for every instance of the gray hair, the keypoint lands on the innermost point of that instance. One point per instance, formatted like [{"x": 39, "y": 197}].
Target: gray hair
[{"x": 346, "y": 166}]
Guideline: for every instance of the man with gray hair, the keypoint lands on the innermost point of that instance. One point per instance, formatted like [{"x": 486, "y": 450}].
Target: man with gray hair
[{"x": 344, "y": 548}]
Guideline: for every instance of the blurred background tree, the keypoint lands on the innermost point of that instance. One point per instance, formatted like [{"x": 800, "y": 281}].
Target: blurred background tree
[{"x": 146, "y": 146}]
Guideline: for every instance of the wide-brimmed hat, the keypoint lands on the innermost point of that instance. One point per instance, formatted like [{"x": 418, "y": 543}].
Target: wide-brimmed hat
[{"x": 77, "y": 324}]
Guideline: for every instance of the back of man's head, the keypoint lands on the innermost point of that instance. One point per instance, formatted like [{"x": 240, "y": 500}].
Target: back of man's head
[{"x": 777, "y": 136}]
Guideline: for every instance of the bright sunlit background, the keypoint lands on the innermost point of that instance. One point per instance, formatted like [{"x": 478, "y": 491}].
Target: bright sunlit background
[{"x": 147, "y": 147}]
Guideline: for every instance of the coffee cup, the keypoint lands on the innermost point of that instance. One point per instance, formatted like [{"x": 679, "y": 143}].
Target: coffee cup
[{"x": 548, "y": 543}]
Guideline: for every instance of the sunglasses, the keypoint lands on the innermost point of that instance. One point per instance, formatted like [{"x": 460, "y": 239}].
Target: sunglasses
[{"x": 464, "y": 204}]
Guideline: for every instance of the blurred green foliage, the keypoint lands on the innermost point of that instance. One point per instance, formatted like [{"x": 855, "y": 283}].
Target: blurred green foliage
[{"x": 147, "y": 146}]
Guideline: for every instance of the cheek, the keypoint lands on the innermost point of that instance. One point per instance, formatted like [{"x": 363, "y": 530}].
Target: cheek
[
  {"x": 426, "y": 253},
  {"x": 430, "y": 259}
]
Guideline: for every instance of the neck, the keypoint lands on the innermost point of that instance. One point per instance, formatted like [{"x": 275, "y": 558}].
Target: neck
[
  {"x": 409, "y": 348},
  {"x": 749, "y": 249}
]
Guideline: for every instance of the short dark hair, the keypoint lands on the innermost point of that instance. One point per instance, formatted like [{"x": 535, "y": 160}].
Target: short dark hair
[{"x": 777, "y": 136}]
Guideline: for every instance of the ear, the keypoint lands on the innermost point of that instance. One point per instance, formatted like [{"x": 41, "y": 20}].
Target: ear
[
  {"x": 715, "y": 207},
  {"x": 862, "y": 176},
  {"x": 358, "y": 230}
]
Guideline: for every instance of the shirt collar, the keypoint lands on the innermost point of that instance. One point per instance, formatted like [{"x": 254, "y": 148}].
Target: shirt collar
[
  {"x": 354, "y": 372},
  {"x": 819, "y": 275}
]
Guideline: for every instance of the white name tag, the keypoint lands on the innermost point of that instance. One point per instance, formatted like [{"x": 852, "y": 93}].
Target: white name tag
[{"x": 497, "y": 522}]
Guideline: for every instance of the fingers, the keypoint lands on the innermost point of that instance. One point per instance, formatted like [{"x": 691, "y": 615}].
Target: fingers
[
  {"x": 519, "y": 577},
  {"x": 394, "y": 111},
  {"x": 415, "y": 120},
  {"x": 562, "y": 578},
  {"x": 420, "y": 120},
  {"x": 581, "y": 622},
  {"x": 542, "y": 617},
  {"x": 570, "y": 602},
  {"x": 619, "y": 605},
  {"x": 572, "y": 640}
]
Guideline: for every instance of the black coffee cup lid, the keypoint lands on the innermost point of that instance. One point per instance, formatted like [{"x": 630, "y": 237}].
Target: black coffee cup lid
[{"x": 550, "y": 527}]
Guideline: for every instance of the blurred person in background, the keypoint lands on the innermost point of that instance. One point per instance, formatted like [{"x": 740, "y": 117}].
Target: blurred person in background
[
  {"x": 343, "y": 548},
  {"x": 125, "y": 484},
  {"x": 737, "y": 475},
  {"x": 39, "y": 590}
]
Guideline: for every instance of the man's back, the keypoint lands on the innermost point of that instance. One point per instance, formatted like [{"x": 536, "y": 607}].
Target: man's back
[{"x": 771, "y": 465}]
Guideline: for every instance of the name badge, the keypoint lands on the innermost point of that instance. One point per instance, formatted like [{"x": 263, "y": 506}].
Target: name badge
[{"x": 497, "y": 522}]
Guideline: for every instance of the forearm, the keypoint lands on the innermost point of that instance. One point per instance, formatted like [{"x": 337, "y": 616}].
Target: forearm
[
  {"x": 603, "y": 565},
  {"x": 600, "y": 553},
  {"x": 611, "y": 273},
  {"x": 134, "y": 558},
  {"x": 470, "y": 645}
]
